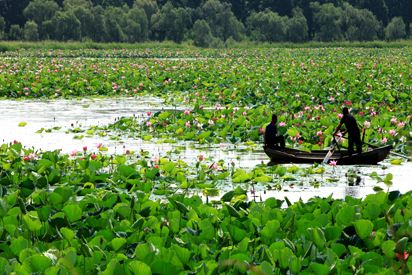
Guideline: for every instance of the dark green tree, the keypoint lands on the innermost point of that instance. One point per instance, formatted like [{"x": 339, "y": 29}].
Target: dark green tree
[
  {"x": 149, "y": 6},
  {"x": 99, "y": 27},
  {"x": 170, "y": 23},
  {"x": 137, "y": 25},
  {"x": 115, "y": 19},
  {"x": 15, "y": 32},
  {"x": 67, "y": 26},
  {"x": 267, "y": 26},
  {"x": 72, "y": 4},
  {"x": 40, "y": 10},
  {"x": 86, "y": 19},
  {"x": 360, "y": 24},
  {"x": 221, "y": 20},
  {"x": 202, "y": 35},
  {"x": 31, "y": 31},
  {"x": 395, "y": 29},
  {"x": 328, "y": 22},
  {"x": 12, "y": 11},
  {"x": 297, "y": 27},
  {"x": 2, "y": 28}
]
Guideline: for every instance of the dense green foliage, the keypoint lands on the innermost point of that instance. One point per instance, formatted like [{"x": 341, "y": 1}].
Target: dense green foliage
[
  {"x": 143, "y": 20},
  {"x": 90, "y": 213},
  {"x": 234, "y": 102}
]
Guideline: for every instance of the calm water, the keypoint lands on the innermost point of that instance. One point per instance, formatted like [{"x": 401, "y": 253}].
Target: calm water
[{"x": 88, "y": 112}]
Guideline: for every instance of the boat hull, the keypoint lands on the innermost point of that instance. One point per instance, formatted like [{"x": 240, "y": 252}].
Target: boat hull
[{"x": 370, "y": 157}]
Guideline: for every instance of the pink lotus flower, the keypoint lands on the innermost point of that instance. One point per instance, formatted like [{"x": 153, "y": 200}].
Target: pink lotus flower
[
  {"x": 340, "y": 116},
  {"x": 367, "y": 124},
  {"x": 282, "y": 124},
  {"x": 93, "y": 156},
  {"x": 319, "y": 133},
  {"x": 84, "y": 148},
  {"x": 73, "y": 153},
  {"x": 333, "y": 162},
  {"x": 149, "y": 124},
  {"x": 201, "y": 157},
  {"x": 392, "y": 132},
  {"x": 394, "y": 120},
  {"x": 401, "y": 124},
  {"x": 384, "y": 140},
  {"x": 155, "y": 159},
  {"x": 187, "y": 124},
  {"x": 402, "y": 256},
  {"x": 99, "y": 145},
  {"x": 213, "y": 166},
  {"x": 244, "y": 113},
  {"x": 187, "y": 112},
  {"x": 26, "y": 158},
  {"x": 149, "y": 113}
]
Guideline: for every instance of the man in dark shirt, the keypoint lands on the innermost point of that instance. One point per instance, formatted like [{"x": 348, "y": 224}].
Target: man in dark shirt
[
  {"x": 352, "y": 129},
  {"x": 272, "y": 140}
]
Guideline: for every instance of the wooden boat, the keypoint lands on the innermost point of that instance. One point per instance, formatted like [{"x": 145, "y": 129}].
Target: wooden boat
[{"x": 372, "y": 156}]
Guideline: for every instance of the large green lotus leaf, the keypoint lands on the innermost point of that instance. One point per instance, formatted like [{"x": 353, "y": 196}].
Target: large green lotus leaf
[
  {"x": 182, "y": 253},
  {"x": 32, "y": 221},
  {"x": 332, "y": 233},
  {"x": 268, "y": 233},
  {"x": 4, "y": 265},
  {"x": 67, "y": 233},
  {"x": 145, "y": 252},
  {"x": 295, "y": 264},
  {"x": 236, "y": 233},
  {"x": 320, "y": 269},
  {"x": 345, "y": 215},
  {"x": 117, "y": 243},
  {"x": 318, "y": 236},
  {"x": 38, "y": 263},
  {"x": 388, "y": 248},
  {"x": 139, "y": 268},
  {"x": 338, "y": 248},
  {"x": 73, "y": 212},
  {"x": 363, "y": 228},
  {"x": 17, "y": 245},
  {"x": 126, "y": 171}
]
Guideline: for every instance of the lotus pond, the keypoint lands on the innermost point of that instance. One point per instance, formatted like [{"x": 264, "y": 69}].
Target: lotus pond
[{"x": 140, "y": 162}]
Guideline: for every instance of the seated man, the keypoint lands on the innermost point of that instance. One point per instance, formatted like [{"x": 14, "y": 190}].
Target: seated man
[
  {"x": 353, "y": 131},
  {"x": 271, "y": 139}
]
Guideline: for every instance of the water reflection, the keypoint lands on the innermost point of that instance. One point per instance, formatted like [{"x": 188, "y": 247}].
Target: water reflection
[{"x": 339, "y": 181}]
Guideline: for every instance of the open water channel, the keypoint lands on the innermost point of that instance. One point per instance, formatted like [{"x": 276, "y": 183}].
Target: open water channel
[{"x": 88, "y": 112}]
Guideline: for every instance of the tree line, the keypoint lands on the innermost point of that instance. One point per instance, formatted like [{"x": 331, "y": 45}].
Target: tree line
[{"x": 205, "y": 22}]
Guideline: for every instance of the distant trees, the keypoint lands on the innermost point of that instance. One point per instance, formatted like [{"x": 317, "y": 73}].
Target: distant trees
[
  {"x": 2, "y": 27},
  {"x": 40, "y": 11},
  {"x": 360, "y": 24},
  {"x": 220, "y": 22},
  {"x": 328, "y": 21},
  {"x": 15, "y": 32},
  {"x": 395, "y": 29},
  {"x": 31, "y": 31},
  {"x": 202, "y": 35},
  {"x": 267, "y": 26}
]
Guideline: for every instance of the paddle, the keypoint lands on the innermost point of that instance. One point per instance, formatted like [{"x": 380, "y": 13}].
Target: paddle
[
  {"x": 331, "y": 149},
  {"x": 393, "y": 153}
]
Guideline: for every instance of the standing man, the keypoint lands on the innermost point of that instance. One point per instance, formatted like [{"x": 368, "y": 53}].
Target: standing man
[
  {"x": 272, "y": 140},
  {"x": 352, "y": 129}
]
